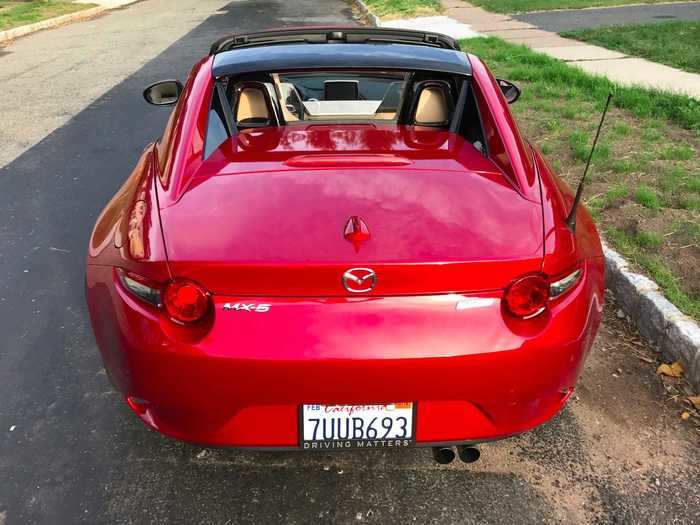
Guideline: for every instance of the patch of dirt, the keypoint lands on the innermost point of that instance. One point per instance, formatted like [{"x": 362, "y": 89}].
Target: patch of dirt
[
  {"x": 620, "y": 439},
  {"x": 419, "y": 12},
  {"x": 679, "y": 249},
  {"x": 619, "y": 452}
]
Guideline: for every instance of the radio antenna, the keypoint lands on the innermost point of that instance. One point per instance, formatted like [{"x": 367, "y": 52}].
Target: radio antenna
[{"x": 571, "y": 218}]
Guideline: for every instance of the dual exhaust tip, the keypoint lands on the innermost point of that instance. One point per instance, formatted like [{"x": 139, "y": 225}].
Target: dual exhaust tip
[{"x": 445, "y": 455}]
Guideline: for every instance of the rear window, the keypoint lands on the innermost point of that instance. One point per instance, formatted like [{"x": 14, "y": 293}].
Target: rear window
[
  {"x": 293, "y": 97},
  {"x": 340, "y": 95},
  {"x": 288, "y": 98}
]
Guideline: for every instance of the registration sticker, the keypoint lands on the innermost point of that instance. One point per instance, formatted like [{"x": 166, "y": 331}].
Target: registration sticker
[{"x": 325, "y": 427}]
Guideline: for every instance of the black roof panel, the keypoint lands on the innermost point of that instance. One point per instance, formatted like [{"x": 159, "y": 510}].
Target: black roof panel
[
  {"x": 333, "y": 35},
  {"x": 288, "y": 57}
]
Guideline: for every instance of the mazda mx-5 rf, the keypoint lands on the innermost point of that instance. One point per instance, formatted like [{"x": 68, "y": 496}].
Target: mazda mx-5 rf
[{"x": 342, "y": 240}]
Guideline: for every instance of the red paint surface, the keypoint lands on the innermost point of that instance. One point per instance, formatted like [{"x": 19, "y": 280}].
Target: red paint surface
[
  {"x": 263, "y": 220},
  {"x": 446, "y": 223}
]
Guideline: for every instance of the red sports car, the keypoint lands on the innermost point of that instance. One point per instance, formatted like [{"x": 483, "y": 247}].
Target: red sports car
[{"x": 342, "y": 241}]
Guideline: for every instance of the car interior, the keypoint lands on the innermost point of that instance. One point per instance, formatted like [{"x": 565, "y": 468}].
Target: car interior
[{"x": 292, "y": 98}]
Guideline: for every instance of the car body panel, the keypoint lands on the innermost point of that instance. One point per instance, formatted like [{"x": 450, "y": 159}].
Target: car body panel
[
  {"x": 442, "y": 221},
  {"x": 261, "y": 222},
  {"x": 180, "y": 150},
  {"x": 506, "y": 145},
  {"x": 128, "y": 232},
  {"x": 240, "y": 383}
]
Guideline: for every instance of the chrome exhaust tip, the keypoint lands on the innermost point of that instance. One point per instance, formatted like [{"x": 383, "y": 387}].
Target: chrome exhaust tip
[
  {"x": 444, "y": 455},
  {"x": 468, "y": 454}
]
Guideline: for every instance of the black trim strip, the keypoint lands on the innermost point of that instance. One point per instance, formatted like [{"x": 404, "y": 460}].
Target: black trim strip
[
  {"x": 459, "y": 108},
  {"x": 301, "y": 57},
  {"x": 334, "y": 35}
]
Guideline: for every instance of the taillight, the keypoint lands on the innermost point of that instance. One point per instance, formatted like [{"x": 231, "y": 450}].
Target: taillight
[
  {"x": 564, "y": 284},
  {"x": 140, "y": 287},
  {"x": 186, "y": 301},
  {"x": 528, "y": 296}
]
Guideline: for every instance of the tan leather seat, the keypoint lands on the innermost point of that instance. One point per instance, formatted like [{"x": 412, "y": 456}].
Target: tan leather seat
[
  {"x": 431, "y": 109},
  {"x": 252, "y": 106},
  {"x": 289, "y": 95}
]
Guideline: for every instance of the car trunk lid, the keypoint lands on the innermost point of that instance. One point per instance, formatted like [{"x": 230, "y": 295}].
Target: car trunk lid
[{"x": 292, "y": 222}]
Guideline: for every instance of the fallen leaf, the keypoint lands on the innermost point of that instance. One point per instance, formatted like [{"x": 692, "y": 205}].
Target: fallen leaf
[
  {"x": 672, "y": 370},
  {"x": 685, "y": 415},
  {"x": 695, "y": 401}
]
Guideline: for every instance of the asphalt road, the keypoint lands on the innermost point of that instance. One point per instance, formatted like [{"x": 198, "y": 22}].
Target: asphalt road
[
  {"x": 70, "y": 450},
  {"x": 570, "y": 19}
]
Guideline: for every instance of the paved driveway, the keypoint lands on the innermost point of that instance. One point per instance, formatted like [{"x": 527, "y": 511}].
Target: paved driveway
[{"x": 71, "y": 452}]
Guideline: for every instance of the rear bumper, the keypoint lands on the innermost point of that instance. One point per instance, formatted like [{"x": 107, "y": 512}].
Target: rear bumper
[{"x": 474, "y": 375}]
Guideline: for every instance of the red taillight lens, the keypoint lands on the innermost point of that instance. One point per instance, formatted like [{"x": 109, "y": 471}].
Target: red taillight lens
[
  {"x": 185, "y": 301},
  {"x": 527, "y": 296}
]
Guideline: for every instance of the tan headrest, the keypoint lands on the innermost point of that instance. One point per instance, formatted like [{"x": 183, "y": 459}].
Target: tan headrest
[
  {"x": 432, "y": 107},
  {"x": 287, "y": 91},
  {"x": 251, "y": 104}
]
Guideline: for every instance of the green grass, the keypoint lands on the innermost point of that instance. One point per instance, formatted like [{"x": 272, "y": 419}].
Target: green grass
[
  {"x": 693, "y": 183},
  {"x": 635, "y": 247},
  {"x": 677, "y": 152},
  {"x": 627, "y": 165},
  {"x": 612, "y": 196},
  {"x": 15, "y": 14},
  {"x": 645, "y": 176},
  {"x": 620, "y": 129},
  {"x": 690, "y": 202},
  {"x": 553, "y": 79},
  {"x": 581, "y": 147},
  {"x": 647, "y": 197},
  {"x": 680, "y": 184},
  {"x": 615, "y": 193},
  {"x": 689, "y": 228},
  {"x": 671, "y": 43},
  {"x": 649, "y": 240},
  {"x": 524, "y": 6},
  {"x": 403, "y": 8}
]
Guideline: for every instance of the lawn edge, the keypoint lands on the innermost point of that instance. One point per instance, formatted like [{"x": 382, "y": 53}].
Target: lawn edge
[
  {"x": 575, "y": 34},
  {"x": 587, "y": 8},
  {"x": 9, "y": 35},
  {"x": 660, "y": 322}
]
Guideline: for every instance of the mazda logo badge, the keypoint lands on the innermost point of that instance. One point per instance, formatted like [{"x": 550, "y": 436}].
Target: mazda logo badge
[{"x": 358, "y": 280}]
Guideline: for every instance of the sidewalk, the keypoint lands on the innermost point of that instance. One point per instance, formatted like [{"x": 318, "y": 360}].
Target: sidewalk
[{"x": 616, "y": 66}]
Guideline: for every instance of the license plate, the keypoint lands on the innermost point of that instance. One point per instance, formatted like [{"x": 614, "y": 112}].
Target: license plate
[{"x": 326, "y": 427}]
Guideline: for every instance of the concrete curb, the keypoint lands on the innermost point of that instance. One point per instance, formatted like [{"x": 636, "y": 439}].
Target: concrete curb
[
  {"x": 7, "y": 36},
  {"x": 367, "y": 13},
  {"x": 661, "y": 323},
  {"x": 437, "y": 23},
  {"x": 675, "y": 334}
]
